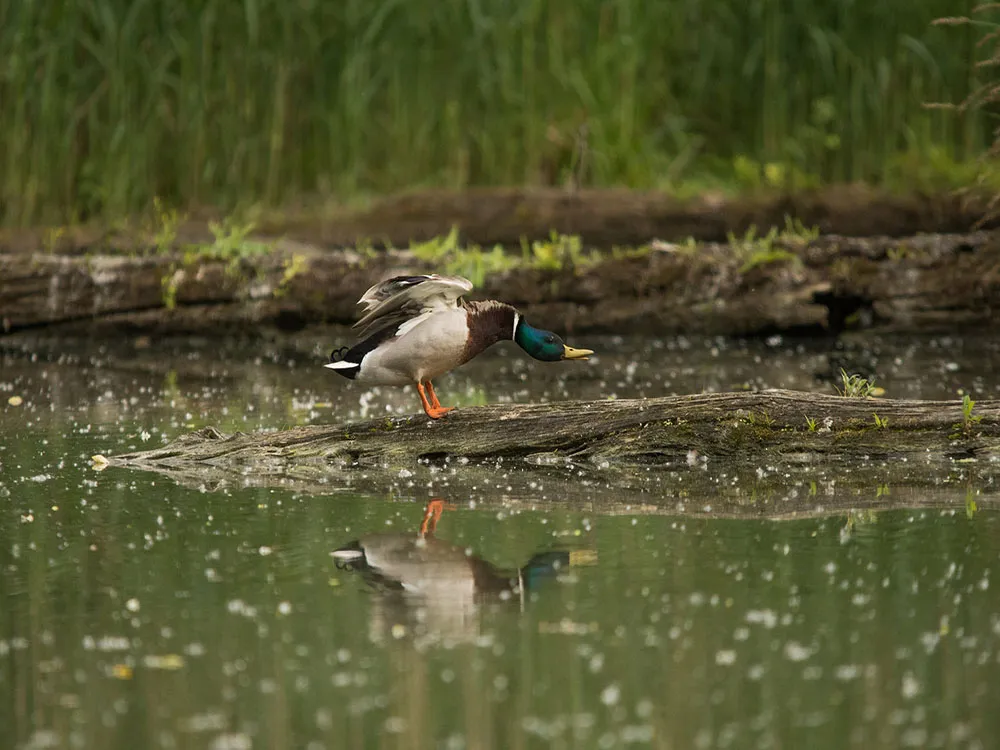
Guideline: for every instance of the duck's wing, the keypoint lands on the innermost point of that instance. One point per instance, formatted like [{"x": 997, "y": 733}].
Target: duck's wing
[{"x": 391, "y": 303}]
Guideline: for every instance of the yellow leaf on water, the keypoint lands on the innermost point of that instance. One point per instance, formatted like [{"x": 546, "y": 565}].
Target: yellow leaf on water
[
  {"x": 583, "y": 557},
  {"x": 121, "y": 672},
  {"x": 15, "y": 401}
]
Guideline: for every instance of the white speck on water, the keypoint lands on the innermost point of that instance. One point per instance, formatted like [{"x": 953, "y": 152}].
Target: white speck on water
[
  {"x": 264, "y": 550},
  {"x": 395, "y": 725},
  {"x": 132, "y": 605},
  {"x": 206, "y": 722},
  {"x": 240, "y": 607},
  {"x": 284, "y": 608},
  {"x": 114, "y": 643},
  {"x": 725, "y": 657},
  {"x": 910, "y": 687},
  {"x": 43, "y": 739},
  {"x": 847, "y": 672},
  {"x": 765, "y": 617},
  {"x": 232, "y": 741},
  {"x": 644, "y": 708},
  {"x": 611, "y": 695},
  {"x": 795, "y": 651}
]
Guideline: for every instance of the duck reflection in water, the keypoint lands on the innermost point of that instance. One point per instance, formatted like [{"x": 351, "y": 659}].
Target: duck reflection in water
[{"x": 428, "y": 585}]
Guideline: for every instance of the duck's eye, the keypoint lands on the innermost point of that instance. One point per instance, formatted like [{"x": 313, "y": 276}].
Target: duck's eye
[{"x": 550, "y": 339}]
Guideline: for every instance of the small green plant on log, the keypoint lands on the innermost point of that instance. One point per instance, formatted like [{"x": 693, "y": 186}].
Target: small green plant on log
[
  {"x": 968, "y": 405},
  {"x": 556, "y": 253},
  {"x": 292, "y": 267},
  {"x": 753, "y": 250},
  {"x": 472, "y": 261},
  {"x": 811, "y": 424},
  {"x": 164, "y": 230},
  {"x": 856, "y": 386},
  {"x": 969, "y": 420},
  {"x": 898, "y": 253},
  {"x": 51, "y": 239},
  {"x": 168, "y": 286},
  {"x": 759, "y": 419},
  {"x": 231, "y": 241},
  {"x": 881, "y": 423},
  {"x": 797, "y": 232}
]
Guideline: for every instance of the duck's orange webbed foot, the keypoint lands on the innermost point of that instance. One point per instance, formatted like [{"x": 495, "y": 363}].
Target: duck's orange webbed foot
[
  {"x": 431, "y": 516},
  {"x": 432, "y": 407}
]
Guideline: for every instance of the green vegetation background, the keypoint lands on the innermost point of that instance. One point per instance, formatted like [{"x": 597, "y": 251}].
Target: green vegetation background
[{"x": 107, "y": 103}]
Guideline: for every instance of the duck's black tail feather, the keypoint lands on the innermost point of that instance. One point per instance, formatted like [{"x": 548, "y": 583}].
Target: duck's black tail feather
[{"x": 340, "y": 364}]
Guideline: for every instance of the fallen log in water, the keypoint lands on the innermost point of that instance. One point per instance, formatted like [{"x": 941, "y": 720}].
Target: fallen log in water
[
  {"x": 827, "y": 284},
  {"x": 614, "y": 441}
]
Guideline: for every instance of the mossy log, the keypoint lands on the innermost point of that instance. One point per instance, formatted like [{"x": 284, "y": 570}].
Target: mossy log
[
  {"x": 922, "y": 283},
  {"x": 621, "y": 443}
]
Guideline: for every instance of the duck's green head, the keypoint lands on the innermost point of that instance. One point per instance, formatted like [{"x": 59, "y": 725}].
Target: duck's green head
[{"x": 545, "y": 345}]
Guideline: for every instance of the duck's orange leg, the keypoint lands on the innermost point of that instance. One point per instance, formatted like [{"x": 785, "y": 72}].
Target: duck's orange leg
[
  {"x": 433, "y": 397},
  {"x": 431, "y": 515},
  {"x": 432, "y": 407}
]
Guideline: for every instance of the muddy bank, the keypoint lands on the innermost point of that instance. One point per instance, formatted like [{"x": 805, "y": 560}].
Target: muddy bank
[
  {"x": 604, "y": 218},
  {"x": 756, "y": 434},
  {"x": 789, "y": 284}
]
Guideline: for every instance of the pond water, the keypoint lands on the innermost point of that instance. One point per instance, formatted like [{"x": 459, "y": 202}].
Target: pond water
[{"x": 136, "y": 612}]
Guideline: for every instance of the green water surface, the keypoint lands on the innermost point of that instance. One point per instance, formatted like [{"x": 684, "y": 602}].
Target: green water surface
[{"x": 138, "y": 613}]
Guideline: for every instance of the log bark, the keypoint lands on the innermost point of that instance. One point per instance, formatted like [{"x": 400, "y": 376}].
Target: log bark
[
  {"x": 922, "y": 283},
  {"x": 755, "y": 438}
]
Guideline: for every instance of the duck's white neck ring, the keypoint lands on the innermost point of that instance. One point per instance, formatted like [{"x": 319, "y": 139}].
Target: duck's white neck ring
[{"x": 517, "y": 319}]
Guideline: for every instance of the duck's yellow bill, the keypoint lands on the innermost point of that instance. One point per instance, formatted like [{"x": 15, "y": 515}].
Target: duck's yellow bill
[{"x": 570, "y": 353}]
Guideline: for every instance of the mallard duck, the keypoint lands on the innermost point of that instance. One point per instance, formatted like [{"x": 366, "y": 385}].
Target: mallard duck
[{"x": 415, "y": 328}]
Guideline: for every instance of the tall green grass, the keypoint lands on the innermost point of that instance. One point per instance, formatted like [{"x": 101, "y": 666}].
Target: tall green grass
[{"x": 106, "y": 103}]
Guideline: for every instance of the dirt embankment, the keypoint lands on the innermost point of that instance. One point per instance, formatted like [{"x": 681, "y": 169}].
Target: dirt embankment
[{"x": 893, "y": 263}]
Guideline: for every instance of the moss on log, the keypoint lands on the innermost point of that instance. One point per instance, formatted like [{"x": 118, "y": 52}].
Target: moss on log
[{"x": 621, "y": 443}]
